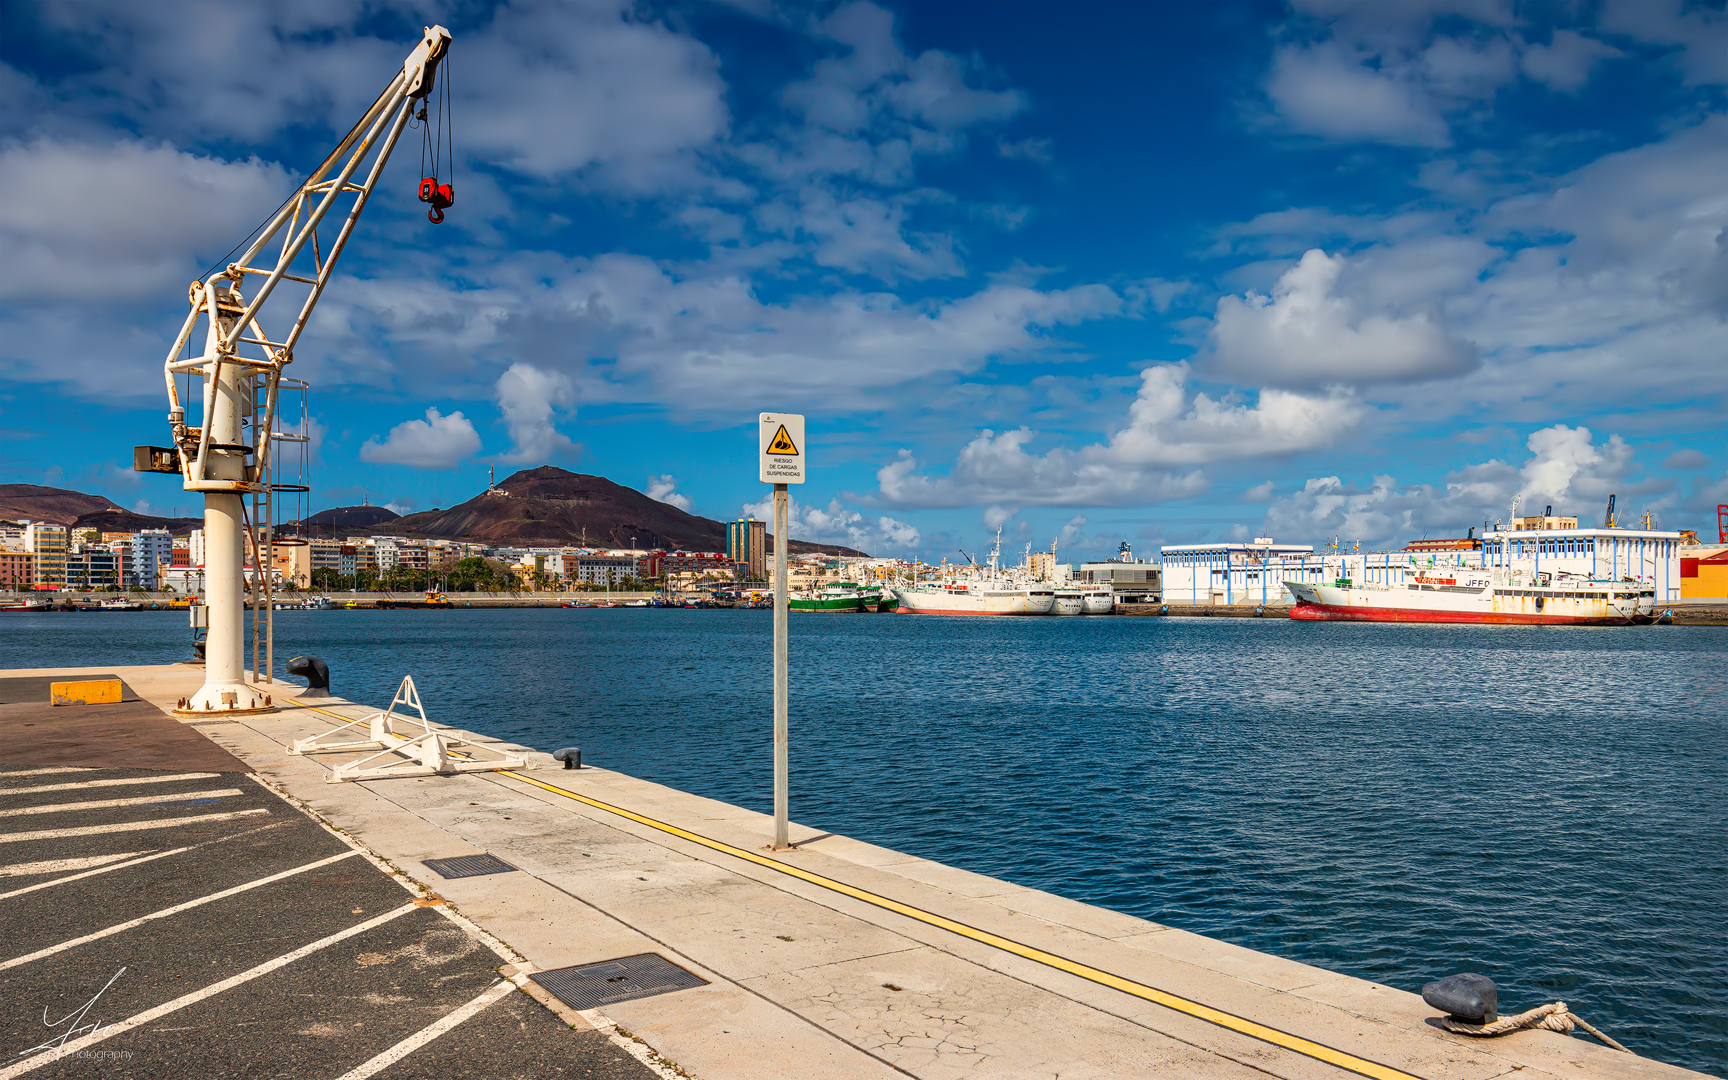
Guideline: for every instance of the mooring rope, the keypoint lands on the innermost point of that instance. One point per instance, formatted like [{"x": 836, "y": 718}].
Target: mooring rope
[{"x": 1552, "y": 1017}]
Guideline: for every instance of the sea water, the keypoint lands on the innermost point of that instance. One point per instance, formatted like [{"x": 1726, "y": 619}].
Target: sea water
[{"x": 1545, "y": 806}]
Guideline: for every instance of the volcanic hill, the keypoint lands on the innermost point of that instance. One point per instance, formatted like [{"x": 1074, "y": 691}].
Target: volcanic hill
[
  {"x": 550, "y": 505},
  {"x": 61, "y": 506}
]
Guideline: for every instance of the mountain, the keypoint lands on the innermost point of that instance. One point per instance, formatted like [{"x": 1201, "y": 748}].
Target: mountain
[
  {"x": 118, "y": 520},
  {"x": 57, "y": 506},
  {"x": 550, "y": 505},
  {"x": 353, "y": 517}
]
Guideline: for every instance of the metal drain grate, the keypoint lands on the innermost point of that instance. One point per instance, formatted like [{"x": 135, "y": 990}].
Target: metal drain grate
[
  {"x": 470, "y": 866},
  {"x": 594, "y": 985}
]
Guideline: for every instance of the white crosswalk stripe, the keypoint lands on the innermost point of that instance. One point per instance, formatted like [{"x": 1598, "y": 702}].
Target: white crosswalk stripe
[
  {"x": 167, "y": 911},
  {"x": 73, "y": 1046},
  {"x": 136, "y": 800},
  {"x": 55, "y": 866},
  {"x": 427, "y": 1034},
  {"x": 126, "y": 826},
  {"x": 121, "y": 782}
]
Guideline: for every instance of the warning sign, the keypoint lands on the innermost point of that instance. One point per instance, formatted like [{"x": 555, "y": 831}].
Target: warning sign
[{"x": 782, "y": 445}]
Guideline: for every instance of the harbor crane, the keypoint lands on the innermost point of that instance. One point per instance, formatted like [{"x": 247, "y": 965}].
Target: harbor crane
[{"x": 226, "y": 454}]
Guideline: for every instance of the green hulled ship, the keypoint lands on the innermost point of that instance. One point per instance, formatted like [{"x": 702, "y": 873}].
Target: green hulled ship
[{"x": 838, "y": 596}]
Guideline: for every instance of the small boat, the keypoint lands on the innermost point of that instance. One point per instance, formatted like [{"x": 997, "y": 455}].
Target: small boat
[
  {"x": 119, "y": 604},
  {"x": 633, "y": 603},
  {"x": 433, "y": 600},
  {"x": 305, "y": 603},
  {"x": 25, "y": 605}
]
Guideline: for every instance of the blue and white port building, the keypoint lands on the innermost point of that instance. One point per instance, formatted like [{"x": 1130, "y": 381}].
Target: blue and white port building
[{"x": 1254, "y": 573}]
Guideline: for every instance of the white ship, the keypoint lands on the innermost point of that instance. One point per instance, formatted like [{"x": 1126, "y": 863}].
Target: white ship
[
  {"x": 1472, "y": 595},
  {"x": 975, "y": 597},
  {"x": 982, "y": 591},
  {"x": 1097, "y": 599},
  {"x": 1068, "y": 601}
]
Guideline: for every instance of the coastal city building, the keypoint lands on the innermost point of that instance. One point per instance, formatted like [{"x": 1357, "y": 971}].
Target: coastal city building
[
  {"x": 93, "y": 566},
  {"x": 747, "y": 545},
  {"x": 17, "y": 569},
  {"x": 49, "y": 544},
  {"x": 152, "y": 553}
]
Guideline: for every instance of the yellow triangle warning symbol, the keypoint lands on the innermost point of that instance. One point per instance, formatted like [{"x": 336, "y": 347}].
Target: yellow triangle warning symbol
[{"x": 783, "y": 444}]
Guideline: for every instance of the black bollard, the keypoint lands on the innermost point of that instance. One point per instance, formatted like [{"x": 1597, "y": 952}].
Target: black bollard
[
  {"x": 316, "y": 673},
  {"x": 1468, "y": 997},
  {"x": 571, "y": 756}
]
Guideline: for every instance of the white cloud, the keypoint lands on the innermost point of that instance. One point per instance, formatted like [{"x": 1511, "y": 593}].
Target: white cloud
[
  {"x": 838, "y": 524},
  {"x": 1073, "y": 531},
  {"x": 1699, "y": 33},
  {"x": 553, "y": 90},
  {"x": 1331, "y": 91},
  {"x": 1259, "y": 493},
  {"x": 665, "y": 489},
  {"x": 1566, "y": 62},
  {"x": 997, "y": 516},
  {"x": 625, "y": 328},
  {"x": 1566, "y": 469},
  {"x": 1407, "y": 73},
  {"x": 528, "y": 396},
  {"x": 125, "y": 220},
  {"x": 1148, "y": 460},
  {"x": 1308, "y": 334},
  {"x": 437, "y": 442}
]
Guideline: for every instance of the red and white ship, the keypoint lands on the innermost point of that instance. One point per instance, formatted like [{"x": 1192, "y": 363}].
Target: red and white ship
[{"x": 1474, "y": 595}]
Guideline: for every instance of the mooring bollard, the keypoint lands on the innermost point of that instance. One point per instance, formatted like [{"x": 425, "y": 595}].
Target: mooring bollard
[
  {"x": 316, "y": 673},
  {"x": 571, "y": 756}
]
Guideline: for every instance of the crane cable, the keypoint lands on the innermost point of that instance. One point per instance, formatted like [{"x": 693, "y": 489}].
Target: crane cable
[{"x": 437, "y": 145}]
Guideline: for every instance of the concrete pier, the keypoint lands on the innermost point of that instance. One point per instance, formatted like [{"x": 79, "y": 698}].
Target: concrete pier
[{"x": 836, "y": 959}]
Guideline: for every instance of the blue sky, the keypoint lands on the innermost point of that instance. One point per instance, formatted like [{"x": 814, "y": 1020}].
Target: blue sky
[{"x": 1155, "y": 272}]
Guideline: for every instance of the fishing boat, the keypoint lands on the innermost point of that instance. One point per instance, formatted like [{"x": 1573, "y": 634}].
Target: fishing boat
[
  {"x": 1472, "y": 595},
  {"x": 1068, "y": 601},
  {"x": 842, "y": 596},
  {"x": 978, "y": 590},
  {"x": 119, "y": 604},
  {"x": 26, "y": 604}
]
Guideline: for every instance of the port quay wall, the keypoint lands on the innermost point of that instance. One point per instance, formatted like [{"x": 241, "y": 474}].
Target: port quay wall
[{"x": 834, "y": 959}]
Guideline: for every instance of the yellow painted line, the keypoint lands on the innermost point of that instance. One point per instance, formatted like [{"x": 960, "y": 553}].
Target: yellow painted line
[
  {"x": 1242, "y": 1025},
  {"x": 1239, "y": 1024}
]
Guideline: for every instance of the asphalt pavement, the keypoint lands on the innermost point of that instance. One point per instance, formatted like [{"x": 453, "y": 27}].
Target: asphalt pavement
[{"x": 182, "y": 924}]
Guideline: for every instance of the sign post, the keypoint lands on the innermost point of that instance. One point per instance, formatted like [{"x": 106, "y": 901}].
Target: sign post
[{"x": 782, "y": 462}]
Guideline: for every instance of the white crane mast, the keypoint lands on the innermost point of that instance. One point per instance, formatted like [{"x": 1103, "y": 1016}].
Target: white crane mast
[{"x": 226, "y": 456}]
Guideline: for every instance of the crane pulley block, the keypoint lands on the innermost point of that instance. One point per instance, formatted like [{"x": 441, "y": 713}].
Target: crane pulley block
[{"x": 439, "y": 195}]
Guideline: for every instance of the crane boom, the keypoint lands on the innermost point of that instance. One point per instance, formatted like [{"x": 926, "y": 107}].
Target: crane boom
[{"x": 226, "y": 455}]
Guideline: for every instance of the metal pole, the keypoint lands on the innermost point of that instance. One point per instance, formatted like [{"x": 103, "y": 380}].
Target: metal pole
[{"x": 780, "y": 834}]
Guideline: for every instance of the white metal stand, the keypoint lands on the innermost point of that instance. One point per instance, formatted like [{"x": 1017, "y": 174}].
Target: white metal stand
[{"x": 417, "y": 751}]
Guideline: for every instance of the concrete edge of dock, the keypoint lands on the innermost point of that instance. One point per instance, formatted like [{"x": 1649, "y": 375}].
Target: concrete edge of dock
[{"x": 843, "y": 958}]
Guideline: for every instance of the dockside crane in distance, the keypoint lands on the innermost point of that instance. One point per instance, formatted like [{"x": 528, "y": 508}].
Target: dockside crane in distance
[
  {"x": 1608, "y": 518},
  {"x": 225, "y": 455}
]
